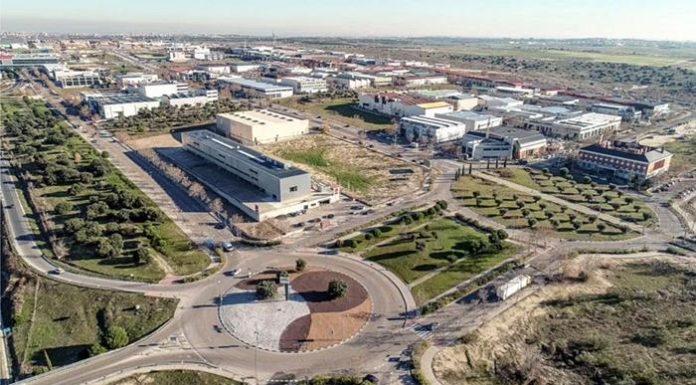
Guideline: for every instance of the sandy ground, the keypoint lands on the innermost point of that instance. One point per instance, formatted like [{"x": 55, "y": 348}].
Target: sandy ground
[
  {"x": 659, "y": 140},
  {"x": 331, "y": 328},
  {"x": 450, "y": 365},
  {"x": 163, "y": 140},
  {"x": 370, "y": 163}
]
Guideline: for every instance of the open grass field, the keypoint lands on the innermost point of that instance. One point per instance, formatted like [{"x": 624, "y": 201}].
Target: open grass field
[
  {"x": 442, "y": 243},
  {"x": 517, "y": 210},
  {"x": 340, "y": 110},
  {"x": 364, "y": 173},
  {"x": 632, "y": 324},
  {"x": 70, "y": 319},
  {"x": 599, "y": 197},
  {"x": 176, "y": 377},
  {"x": 684, "y": 151}
]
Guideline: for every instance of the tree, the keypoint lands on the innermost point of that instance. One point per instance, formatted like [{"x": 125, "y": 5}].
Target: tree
[
  {"x": 300, "y": 264},
  {"x": 141, "y": 256},
  {"x": 96, "y": 349},
  {"x": 601, "y": 227},
  {"x": 116, "y": 337},
  {"x": 116, "y": 241},
  {"x": 63, "y": 208},
  {"x": 563, "y": 171},
  {"x": 266, "y": 289},
  {"x": 337, "y": 289}
]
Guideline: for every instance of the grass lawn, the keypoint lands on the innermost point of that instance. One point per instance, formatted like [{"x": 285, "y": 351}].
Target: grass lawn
[
  {"x": 446, "y": 243},
  {"x": 176, "y": 377},
  {"x": 684, "y": 151},
  {"x": 341, "y": 110},
  {"x": 515, "y": 210},
  {"x": 70, "y": 319}
]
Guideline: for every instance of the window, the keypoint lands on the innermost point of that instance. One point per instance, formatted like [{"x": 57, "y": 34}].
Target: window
[{"x": 293, "y": 189}]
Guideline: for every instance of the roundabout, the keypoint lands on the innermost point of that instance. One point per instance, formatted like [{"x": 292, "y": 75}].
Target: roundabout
[{"x": 309, "y": 319}]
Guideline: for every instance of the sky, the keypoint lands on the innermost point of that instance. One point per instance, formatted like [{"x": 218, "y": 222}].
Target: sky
[{"x": 641, "y": 19}]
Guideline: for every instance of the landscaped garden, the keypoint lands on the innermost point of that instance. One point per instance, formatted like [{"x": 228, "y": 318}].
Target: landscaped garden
[
  {"x": 430, "y": 252},
  {"x": 603, "y": 198},
  {"x": 521, "y": 211},
  {"x": 96, "y": 218}
]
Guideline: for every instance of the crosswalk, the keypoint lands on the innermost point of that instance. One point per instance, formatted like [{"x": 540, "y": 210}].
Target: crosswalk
[{"x": 421, "y": 330}]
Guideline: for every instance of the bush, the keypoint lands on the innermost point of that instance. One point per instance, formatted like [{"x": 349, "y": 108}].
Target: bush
[
  {"x": 63, "y": 208},
  {"x": 266, "y": 289},
  {"x": 116, "y": 337},
  {"x": 141, "y": 256},
  {"x": 96, "y": 349},
  {"x": 337, "y": 289},
  {"x": 300, "y": 264}
]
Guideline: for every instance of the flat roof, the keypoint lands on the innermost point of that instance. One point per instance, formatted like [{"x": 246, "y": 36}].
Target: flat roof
[
  {"x": 469, "y": 115},
  {"x": 648, "y": 156},
  {"x": 436, "y": 121},
  {"x": 430, "y": 105},
  {"x": 589, "y": 119},
  {"x": 258, "y": 117},
  {"x": 234, "y": 149},
  {"x": 123, "y": 98},
  {"x": 266, "y": 87}
]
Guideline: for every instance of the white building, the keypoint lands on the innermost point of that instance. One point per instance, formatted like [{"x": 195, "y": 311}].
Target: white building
[
  {"x": 244, "y": 67},
  {"x": 305, "y": 85},
  {"x": 419, "y": 81},
  {"x": 396, "y": 104},
  {"x": 158, "y": 90},
  {"x": 192, "y": 98},
  {"x": 257, "y": 88},
  {"x": 431, "y": 130},
  {"x": 460, "y": 101},
  {"x": 74, "y": 79},
  {"x": 582, "y": 127},
  {"x": 216, "y": 69},
  {"x": 260, "y": 126},
  {"x": 201, "y": 53},
  {"x": 348, "y": 82},
  {"x": 135, "y": 78},
  {"x": 473, "y": 121},
  {"x": 487, "y": 101},
  {"x": 124, "y": 105},
  {"x": 177, "y": 56},
  {"x": 517, "y": 92}
]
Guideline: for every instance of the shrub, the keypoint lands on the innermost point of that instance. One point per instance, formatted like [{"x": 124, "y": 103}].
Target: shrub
[
  {"x": 96, "y": 349},
  {"x": 337, "y": 289},
  {"x": 141, "y": 256},
  {"x": 300, "y": 264},
  {"x": 266, "y": 289},
  {"x": 63, "y": 208},
  {"x": 116, "y": 337}
]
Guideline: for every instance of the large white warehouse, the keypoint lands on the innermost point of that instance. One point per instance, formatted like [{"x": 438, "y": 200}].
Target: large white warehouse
[{"x": 260, "y": 126}]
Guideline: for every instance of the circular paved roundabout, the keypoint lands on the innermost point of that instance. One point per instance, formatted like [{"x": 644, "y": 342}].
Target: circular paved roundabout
[{"x": 308, "y": 320}]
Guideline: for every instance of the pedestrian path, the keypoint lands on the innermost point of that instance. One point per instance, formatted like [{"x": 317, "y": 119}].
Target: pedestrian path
[{"x": 424, "y": 331}]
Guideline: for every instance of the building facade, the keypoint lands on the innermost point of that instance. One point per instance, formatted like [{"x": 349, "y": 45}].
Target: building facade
[
  {"x": 473, "y": 120},
  {"x": 304, "y": 84},
  {"x": 260, "y": 126},
  {"x": 76, "y": 79},
  {"x": 253, "y": 88},
  {"x": 431, "y": 130},
  {"x": 625, "y": 163}
]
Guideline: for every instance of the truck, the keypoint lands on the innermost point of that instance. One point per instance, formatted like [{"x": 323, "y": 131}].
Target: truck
[{"x": 509, "y": 288}]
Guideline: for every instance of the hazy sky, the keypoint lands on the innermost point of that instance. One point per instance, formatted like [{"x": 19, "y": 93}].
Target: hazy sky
[{"x": 648, "y": 19}]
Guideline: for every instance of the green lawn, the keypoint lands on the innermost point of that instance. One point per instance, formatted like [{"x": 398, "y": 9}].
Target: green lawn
[
  {"x": 176, "y": 377},
  {"x": 341, "y": 110},
  {"x": 70, "y": 319},
  {"x": 446, "y": 243},
  {"x": 515, "y": 210}
]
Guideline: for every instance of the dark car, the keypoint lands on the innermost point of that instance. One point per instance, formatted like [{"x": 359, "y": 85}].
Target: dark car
[{"x": 371, "y": 378}]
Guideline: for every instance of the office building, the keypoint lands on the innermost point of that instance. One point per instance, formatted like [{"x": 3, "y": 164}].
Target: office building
[
  {"x": 304, "y": 84},
  {"x": 420, "y": 81},
  {"x": 430, "y": 129},
  {"x": 273, "y": 177},
  {"x": 135, "y": 78},
  {"x": 215, "y": 69},
  {"x": 75, "y": 79},
  {"x": 627, "y": 113},
  {"x": 177, "y": 56},
  {"x": 625, "y": 162},
  {"x": 191, "y": 98},
  {"x": 23, "y": 60},
  {"x": 244, "y": 67},
  {"x": 347, "y": 81},
  {"x": 254, "y": 88},
  {"x": 260, "y": 126},
  {"x": 120, "y": 105},
  {"x": 587, "y": 126},
  {"x": 398, "y": 104},
  {"x": 502, "y": 143},
  {"x": 158, "y": 90},
  {"x": 473, "y": 121}
]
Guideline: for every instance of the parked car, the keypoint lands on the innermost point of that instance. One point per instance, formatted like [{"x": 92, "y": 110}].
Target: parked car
[
  {"x": 56, "y": 271},
  {"x": 227, "y": 246},
  {"x": 232, "y": 273}
]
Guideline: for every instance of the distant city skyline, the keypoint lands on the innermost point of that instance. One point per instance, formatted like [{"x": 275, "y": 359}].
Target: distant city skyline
[{"x": 635, "y": 19}]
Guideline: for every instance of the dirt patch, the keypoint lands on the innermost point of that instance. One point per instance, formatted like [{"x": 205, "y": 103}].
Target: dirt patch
[
  {"x": 313, "y": 285},
  {"x": 163, "y": 140},
  {"x": 294, "y": 337},
  {"x": 331, "y": 328}
]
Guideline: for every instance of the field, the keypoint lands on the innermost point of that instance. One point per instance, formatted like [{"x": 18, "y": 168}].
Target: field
[
  {"x": 624, "y": 323},
  {"x": 684, "y": 151},
  {"x": 340, "y": 110},
  {"x": 517, "y": 210},
  {"x": 600, "y": 197},
  {"x": 448, "y": 250},
  {"x": 366, "y": 174},
  {"x": 69, "y": 320},
  {"x": 101, "y": 221},
  {"x": 176, "y": 377}
]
